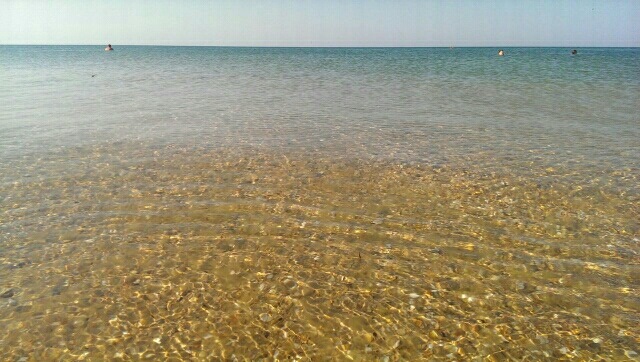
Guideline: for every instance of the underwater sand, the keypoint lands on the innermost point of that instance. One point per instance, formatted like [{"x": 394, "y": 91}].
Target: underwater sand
[{"x": 135, "y": 253}]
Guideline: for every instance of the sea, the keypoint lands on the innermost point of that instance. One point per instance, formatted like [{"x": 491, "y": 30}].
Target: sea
[{"x": 368, "y": 204}]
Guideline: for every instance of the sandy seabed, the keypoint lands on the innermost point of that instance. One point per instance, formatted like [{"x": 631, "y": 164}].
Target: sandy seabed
[{"x": 258, "y": 255}]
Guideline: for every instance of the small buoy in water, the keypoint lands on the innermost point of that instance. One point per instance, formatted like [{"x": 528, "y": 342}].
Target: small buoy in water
[
  {"x": 500, "y": 52},
  {"x": 574, "y": 52},
  {"x": 108, "y": 48}
]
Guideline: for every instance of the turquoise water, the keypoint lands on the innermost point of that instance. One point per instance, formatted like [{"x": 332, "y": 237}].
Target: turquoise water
[
  {"x": 425, "y": 104},
  {"x": 195, "y": 203}
]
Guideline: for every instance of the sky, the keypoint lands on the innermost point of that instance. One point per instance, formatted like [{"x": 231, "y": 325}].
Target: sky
[{"x": 571, "y": 23}]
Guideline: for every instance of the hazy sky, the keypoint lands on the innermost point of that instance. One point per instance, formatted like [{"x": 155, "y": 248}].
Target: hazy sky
[{"x": 322, "y": 22}]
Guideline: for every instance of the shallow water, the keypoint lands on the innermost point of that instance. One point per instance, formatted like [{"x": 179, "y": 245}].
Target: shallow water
[{"x": 319, "y": 220}]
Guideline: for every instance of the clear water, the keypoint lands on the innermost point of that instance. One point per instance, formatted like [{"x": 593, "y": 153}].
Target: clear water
[
  {"x": 390, "y": 103},
  {"x": 199, "y": 203}
]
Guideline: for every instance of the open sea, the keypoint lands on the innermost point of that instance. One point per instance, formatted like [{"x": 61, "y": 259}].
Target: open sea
[{"x": 367, "y": 204}]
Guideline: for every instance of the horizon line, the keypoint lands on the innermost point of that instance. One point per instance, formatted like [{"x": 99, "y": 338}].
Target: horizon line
[{"x": 337, "y": 46}]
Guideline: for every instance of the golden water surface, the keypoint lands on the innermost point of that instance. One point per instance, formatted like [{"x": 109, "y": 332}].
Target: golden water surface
[{"x": 178, "y": 254}]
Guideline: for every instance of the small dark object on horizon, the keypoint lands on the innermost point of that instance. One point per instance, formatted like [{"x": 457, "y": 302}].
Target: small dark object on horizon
[{"x": 574, "y": 52}]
